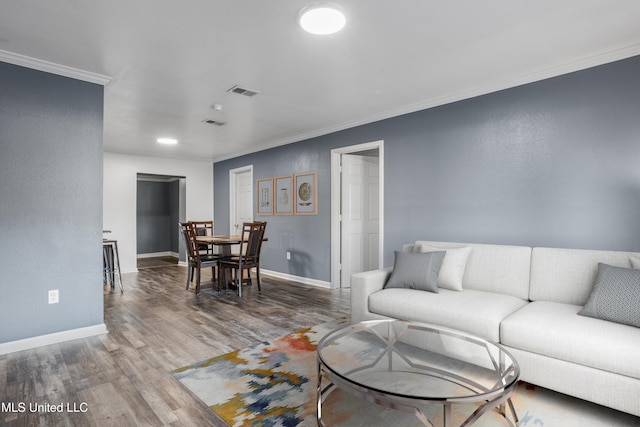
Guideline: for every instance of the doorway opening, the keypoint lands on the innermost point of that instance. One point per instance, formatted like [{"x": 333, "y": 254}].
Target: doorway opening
[
  {"x": 357, "y": 211},
  {"x": 160, "y": 206}
]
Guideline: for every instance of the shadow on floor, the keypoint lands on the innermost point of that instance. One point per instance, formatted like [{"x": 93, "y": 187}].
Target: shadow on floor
[{"x": 162, "y": 261}]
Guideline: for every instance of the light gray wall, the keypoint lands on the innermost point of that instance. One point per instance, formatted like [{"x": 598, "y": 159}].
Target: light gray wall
[
  {"x": 121, "y": 172},
  {"x": 50, "y": 203},
  {"x": 552, "y": 163}
]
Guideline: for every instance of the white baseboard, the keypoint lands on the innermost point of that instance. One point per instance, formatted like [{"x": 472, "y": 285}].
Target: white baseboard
[
  {"x": 305, "y": 280},
  {"x": 158, "y": 254},
  {"x": 57, "y": 337},
  {"x": 285, "y": 276}
]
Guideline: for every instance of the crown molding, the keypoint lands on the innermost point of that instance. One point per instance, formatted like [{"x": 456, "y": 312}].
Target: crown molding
[
  {"x": 53, "y": 68},
  {"x": 519, "y": 80}
]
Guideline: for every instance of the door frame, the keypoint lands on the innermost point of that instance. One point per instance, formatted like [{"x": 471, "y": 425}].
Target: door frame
[
  {"x": 336, "y": 193},
  {"x": 233, "y": 176}
]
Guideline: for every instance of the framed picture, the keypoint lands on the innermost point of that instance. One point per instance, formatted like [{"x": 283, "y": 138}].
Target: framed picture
[
  {"x": 264, "y": 196},
  {"x": 283, "y": 195},
  {"x": 306, "y": 193}
]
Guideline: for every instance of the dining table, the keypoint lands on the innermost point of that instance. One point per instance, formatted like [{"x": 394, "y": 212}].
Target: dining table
[{"x": 224, "y": 242}]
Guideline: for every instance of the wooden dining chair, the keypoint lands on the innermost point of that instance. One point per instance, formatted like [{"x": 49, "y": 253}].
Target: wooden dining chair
[
  {"x": 247, "y": 258},
  {"x": 203, "y": 228},
  {"x": 195, "y": 259}
]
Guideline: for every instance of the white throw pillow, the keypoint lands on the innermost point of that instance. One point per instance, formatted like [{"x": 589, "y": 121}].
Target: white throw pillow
[
  {"x": 635, "y": 261},
  {"x": 453, "y": 266}
]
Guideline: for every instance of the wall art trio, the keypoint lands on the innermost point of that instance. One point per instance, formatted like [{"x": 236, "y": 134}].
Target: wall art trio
[{"x": 287, "y": 195}]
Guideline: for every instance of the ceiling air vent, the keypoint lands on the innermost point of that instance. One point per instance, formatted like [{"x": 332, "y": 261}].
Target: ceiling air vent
[
  {"x": 214, "y": 122},
  {"x": 243, "y": 91}
]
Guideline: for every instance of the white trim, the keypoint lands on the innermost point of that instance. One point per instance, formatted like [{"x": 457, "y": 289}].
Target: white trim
[
  {"x": 335, "y": 204},
  {"x": 53, "y": 68},
  {"x": 158, "y": 254},
  {"x": 57, "y": 337},
  {"x": 300, "y": 279}
]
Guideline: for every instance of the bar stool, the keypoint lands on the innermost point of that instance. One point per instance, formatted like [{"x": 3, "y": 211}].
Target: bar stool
[{"x": 111, "y": 262}]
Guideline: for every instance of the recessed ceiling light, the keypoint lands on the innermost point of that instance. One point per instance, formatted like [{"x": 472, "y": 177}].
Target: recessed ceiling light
[
  {"x": 322, "y": 19},
  {"x": 167, "y": 141}
]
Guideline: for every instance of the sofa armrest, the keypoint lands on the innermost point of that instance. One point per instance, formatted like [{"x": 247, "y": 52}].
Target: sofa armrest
[{"x": 362, "y": 285}]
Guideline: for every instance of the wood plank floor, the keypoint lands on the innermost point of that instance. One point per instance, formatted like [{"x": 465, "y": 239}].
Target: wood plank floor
[
  {"x": 122, "y": 378},
  {"x": 153, "y": 262}
]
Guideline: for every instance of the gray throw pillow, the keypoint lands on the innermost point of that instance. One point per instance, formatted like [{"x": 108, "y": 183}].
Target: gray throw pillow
[
  {"x": 615, "y": 296},
  {"x": 416, "y": 271}
]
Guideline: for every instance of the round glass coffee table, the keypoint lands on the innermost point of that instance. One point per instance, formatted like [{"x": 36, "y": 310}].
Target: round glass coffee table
[{"x": 405, "y": 366}]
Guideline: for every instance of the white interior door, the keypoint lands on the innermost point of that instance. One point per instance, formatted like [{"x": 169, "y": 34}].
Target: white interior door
[
  {"x": 360, "y": 215},
  {"x": 241, "y": 193}
]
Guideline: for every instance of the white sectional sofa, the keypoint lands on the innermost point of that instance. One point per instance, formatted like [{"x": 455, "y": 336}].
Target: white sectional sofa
[{"x": 528, "y": 300}]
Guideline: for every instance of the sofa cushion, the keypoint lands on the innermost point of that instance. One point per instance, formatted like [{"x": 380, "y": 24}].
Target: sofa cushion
[
  {"x": 568, "y": 275},
  {"x": 555, "y": 330},
  {"x": 416, "y": 271},
  {"x": 500, "y": 269},
  {"x": 476, "y": 312},
  {"x": 453, "y": 265},
  {"x": 615, "y": 296}
]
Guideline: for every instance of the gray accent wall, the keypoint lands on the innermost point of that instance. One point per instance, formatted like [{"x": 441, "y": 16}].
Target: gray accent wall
[
  {"x": 157, "y": 216},
  {"x": 552, "y": 163},
  {"x": 305, "y": 236},
  {"x": 50, "y": 203}
]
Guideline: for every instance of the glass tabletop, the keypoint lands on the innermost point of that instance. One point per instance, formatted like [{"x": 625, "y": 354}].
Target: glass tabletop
[{"x": 407, "y": 360}]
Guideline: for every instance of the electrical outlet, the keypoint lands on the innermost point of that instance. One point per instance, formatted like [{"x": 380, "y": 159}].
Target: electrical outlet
[
  {"x": 53, "y": 296},
  {"x": 288, "y": 256}
]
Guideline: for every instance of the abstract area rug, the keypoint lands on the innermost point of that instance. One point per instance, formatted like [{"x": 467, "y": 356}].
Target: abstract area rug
[{"x": 273, "y": 384}]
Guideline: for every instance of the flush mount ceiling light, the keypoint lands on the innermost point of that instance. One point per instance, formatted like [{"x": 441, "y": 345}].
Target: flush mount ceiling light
[
  {"x": 322, "y": 19},
  {"x": 167, "y": 141}
]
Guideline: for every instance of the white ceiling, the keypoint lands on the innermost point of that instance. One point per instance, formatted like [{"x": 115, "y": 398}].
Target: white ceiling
[{"x": 170, "y": 61}]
